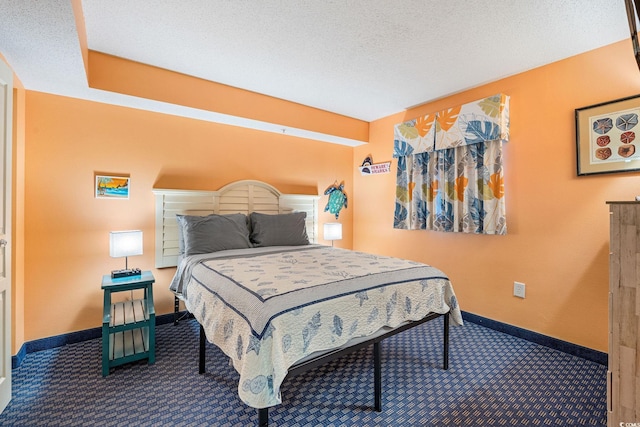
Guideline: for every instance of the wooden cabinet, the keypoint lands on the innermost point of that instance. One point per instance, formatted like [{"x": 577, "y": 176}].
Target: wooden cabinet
[
  {"x": 128, "y": 327},
  {"x": 623, "y": 376}
]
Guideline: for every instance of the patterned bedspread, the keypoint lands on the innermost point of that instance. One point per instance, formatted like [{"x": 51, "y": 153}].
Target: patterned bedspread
[{"x": 268, "y": 308}]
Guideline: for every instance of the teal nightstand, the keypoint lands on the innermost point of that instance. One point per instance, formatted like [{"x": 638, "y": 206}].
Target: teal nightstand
[{"x": 129, "y": 327}]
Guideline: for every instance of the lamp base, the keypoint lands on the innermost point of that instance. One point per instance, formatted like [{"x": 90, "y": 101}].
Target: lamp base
[{"x": 116, "y": 274}]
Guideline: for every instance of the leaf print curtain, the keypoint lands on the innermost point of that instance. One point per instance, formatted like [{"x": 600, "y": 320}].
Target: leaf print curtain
[{"x": 450, "y": 175}]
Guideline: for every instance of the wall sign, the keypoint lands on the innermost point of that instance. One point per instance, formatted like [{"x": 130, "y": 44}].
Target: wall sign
[{"x": 369, "y": 168}]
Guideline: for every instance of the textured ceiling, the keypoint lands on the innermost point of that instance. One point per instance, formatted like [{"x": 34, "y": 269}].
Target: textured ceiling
[{"x": 361, "y": 58}]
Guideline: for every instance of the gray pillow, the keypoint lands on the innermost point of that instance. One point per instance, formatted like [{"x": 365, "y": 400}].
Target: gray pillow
[
  {"x": 180, "y": 234},
  {"x": 279, "y": 230},
  {"x": 212, "y": 233}
]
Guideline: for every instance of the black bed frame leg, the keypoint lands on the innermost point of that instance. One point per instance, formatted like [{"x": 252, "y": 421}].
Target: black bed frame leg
[
  {"x": 176, "y": 309},
  {"x": 446, "y": 341},
  {"x": 202, "y": 353},
  {"x": 263, "y": 417},
  {"x": 377, "y": 376}
]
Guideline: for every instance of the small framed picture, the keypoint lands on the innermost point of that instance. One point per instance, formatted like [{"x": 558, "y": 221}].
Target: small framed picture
[
  {"x": 112, "y": 187},
  {"x": 606, "y": 137}
]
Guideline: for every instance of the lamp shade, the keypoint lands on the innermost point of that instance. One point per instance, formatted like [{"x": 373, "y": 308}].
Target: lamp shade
[
  {"x": 333, "y": 231},
  {"x": 125, "y": 243}
]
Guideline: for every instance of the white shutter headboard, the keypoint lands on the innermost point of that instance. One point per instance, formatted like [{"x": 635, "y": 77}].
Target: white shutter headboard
[{"x": 241, "y": 196}]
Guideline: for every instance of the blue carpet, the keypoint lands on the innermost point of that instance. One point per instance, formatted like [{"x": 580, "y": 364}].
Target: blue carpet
[{"x": 494, "y": 379}]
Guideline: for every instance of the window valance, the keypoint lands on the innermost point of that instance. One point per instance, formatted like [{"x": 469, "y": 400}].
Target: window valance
[
  {"x": 483, "y": 120},
  {"x": 450, "y": 175}
]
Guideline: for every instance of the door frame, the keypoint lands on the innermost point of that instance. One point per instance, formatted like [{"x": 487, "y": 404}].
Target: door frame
[{"x": 6, "y": 143}]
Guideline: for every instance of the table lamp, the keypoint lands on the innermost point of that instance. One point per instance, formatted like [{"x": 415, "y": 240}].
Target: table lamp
[
  {"x": 125, "y": 244},
  {"x": 333, "y": 231}
]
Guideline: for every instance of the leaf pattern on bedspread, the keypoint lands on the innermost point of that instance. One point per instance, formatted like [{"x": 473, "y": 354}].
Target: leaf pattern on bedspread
[
  {"x": 362, "y": 296},
  {"x": 198, "y": 303},
  {"x": 391, "y": 305},
  {"x": 228, "y": 329},
  {"x": 337, "y": 325},
  {"x": 354, "y": 328},
  {"x": 239, "y": 347},
  {"x": 254, "y": 345},
  {"x": 286, "y": 343},
  {"x": 407, "y": 304},
  {"x": 267, "y": 291},
  {"x": 269, "y": 332},
  {"x": 197, "y": 300},
  {"x": 373, "y": 315},
  {"x": 310, "y": 330},
  {"x": 341, "y": 274},
  {"x": 257, "y": 384}
]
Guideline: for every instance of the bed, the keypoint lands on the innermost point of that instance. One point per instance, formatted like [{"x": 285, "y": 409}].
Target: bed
[{"x": 276, "y": 302}]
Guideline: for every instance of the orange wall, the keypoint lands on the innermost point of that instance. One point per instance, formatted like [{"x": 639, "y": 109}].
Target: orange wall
[
  {"x": 67, "y": 229},
  {"x": 558, "y": 223}
]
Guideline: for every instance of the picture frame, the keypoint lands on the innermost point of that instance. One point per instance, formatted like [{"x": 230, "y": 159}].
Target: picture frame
[
  {"x": 633, "y": 6},
  {"x": 112, "y": 186},
  {"x": 608, "y": 137}
]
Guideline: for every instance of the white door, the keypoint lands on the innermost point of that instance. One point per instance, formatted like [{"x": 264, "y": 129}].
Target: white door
[{"x": 6, "y": 112}]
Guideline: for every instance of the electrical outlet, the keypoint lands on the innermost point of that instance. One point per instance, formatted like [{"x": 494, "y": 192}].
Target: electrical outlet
[{"x": 518, "y": 289}]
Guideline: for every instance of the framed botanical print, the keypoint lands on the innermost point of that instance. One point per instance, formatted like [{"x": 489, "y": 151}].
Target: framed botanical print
[{"x": 606, "y": 137}]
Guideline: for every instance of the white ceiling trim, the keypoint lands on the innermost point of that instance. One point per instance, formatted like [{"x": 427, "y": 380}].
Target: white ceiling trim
[{"x": 210, "y": 116}]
